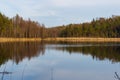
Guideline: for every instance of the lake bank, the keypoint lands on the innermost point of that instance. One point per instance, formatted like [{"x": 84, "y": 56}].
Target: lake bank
[
  {"x": 19, "y": 39},
  {"x": 83, "y": 39},
  {"x": 70, "y": 39}
]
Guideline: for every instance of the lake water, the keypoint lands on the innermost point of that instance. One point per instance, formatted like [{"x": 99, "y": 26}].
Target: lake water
[{"x": 59, "y": 61}]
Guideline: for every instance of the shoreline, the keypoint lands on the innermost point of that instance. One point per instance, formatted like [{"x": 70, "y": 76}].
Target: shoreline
[
  {"x": 83, "y": 39},
  {"x": 19, "y": 39},
  {"x": 58, "y": 39}
]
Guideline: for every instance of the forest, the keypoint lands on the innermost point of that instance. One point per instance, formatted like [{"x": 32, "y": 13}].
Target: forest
[
  {"x": 102, "y": 27},
  {"x": 17, "y": 27}
]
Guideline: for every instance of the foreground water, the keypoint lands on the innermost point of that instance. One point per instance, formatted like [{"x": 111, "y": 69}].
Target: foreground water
[{"x": 60, "y": 61}]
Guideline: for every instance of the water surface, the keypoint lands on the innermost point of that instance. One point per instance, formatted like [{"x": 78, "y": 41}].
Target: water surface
[{"x": 59, "y": 61}]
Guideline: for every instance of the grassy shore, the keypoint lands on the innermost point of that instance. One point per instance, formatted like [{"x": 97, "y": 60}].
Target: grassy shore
[
  {"x": 19, "y": 39},
  {"x": 84, "y": 39},
  {"x": 71, "y": 39}
]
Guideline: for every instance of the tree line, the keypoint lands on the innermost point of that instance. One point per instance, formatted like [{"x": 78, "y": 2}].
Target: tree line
[
  {"x": 102, "y": 27},
  {"x": 19, "y": 28}
]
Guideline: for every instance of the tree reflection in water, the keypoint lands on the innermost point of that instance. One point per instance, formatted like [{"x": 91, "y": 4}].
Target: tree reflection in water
[
  {"x": 18, "y": 51},
  {"x": 112, "y": 53}
]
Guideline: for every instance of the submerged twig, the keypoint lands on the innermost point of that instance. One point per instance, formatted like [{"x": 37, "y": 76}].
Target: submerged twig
[{"x": 117, "y": 76}]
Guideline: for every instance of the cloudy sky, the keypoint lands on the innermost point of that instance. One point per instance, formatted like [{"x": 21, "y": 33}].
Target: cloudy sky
[{"x": 59, "y": 12}]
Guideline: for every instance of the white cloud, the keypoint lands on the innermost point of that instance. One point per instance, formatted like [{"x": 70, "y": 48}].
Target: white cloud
[
  {"x": 48, "y": 7},
  {"x": 78, "y": 3},
  {"x": 26, "y": 8},
  {"x": 52, "y": 11}
]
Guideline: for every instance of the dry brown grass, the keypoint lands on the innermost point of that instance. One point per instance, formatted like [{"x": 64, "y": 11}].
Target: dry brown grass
[
  {"x": 69, "y": 39},
  {"x": 84, "y": 39},
  {"x": 19, "y": 39}
]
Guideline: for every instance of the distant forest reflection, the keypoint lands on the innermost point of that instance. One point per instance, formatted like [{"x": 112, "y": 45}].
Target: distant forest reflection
[
  {"x": 98, "y": 52},
  {"x": 21, "y": 50}
]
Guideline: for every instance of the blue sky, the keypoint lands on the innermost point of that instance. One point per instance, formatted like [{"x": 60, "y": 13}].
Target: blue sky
[{"x": 59, "y": 12}]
